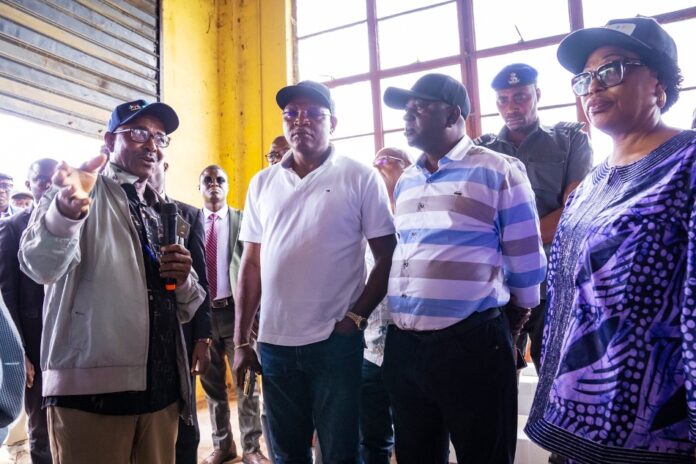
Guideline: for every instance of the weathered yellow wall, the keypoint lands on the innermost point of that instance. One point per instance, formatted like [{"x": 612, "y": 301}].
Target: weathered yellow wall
[
  {"x": 223, "y": 62},
  {"x": 190, "y": 84}
]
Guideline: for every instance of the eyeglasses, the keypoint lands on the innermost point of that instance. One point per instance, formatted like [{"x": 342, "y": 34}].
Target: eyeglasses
[
  {"x": 312, "y": 113},
  {"x": 5, "y": 187},
  {"x": 609, "y": 75},
  {"x": 274, "y": 155},
  {"x": 142, "y": 136},
  {"x": 383, "y": 160}
]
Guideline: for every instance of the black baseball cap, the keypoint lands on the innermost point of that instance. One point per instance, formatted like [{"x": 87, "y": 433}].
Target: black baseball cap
[
  {"x": 643, "y": 35},
  {"x": 310, "y": 89},
  {"x": 434, "y": 87},
  {"x": 514, "y": 75},
  {"x": 131, "y": 110}
]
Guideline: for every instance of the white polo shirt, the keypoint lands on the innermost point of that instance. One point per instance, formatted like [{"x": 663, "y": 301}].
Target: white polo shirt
[{"x": 312, "y": 233}]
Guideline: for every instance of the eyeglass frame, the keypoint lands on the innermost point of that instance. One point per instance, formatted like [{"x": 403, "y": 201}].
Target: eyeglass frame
[
  {"x": 271, "y": 155},
  {"x": 595, "y": 74},
  {"x": 317, "y": 115},
  {"x": 163, "y": 137}
]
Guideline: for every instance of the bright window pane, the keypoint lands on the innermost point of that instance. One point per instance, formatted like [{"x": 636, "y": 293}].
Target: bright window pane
[
  {"x": 553, "y": 80},
  {"x": 498, "y": 21},
  {"x": 320, "y": 15},
  {"x": 334, "y": 54},
  {"x": 420, "y": 36},
  {"x": 390, "y": 7},
  {"x": 491, "y": 124},
  {"x": 551, "y": 116},
  {"x": 393, "y": 119},
  {"x": 599, "y": 12},
  {"x": 680, "y": 114},
  {"x": 358, "y": 148},
  {"x": 602, "y": 146},
  {"x": 683, "y": 34},
  {"x": 24, "y": 142},
  {"x": 353, "y": 109},
  {"x": 397, "y": 140}
]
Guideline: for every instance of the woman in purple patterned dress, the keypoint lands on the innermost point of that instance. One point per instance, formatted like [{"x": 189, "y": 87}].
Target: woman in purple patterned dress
[{"x": 618, "y": 376}]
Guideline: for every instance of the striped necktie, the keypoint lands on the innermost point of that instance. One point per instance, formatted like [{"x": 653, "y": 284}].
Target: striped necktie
[{"x": 211, "y": 255}]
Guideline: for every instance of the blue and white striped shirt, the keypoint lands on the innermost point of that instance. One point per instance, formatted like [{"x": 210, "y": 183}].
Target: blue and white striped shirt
[{"x": 468, "y": 239}]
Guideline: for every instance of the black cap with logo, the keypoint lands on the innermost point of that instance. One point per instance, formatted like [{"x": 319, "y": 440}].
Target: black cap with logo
[
  {"x": 131, "y": 110},
  {"x": 434, "y": 87},
  {"x": 642, "y": 35},
  {"x": 310, "y": 89}
]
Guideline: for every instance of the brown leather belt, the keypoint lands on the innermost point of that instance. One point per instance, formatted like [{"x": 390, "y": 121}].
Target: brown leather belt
[{"x": 222, "y": 303}]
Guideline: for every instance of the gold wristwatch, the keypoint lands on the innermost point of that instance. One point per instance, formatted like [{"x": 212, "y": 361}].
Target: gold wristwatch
[{"x": 360, "y": 321}]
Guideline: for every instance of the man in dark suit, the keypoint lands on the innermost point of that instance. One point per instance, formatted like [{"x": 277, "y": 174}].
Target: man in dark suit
[
  {"x": 197, "y": 333},
  {"x": 223, "y": 251},
  {"x": 24, "y": 299}
]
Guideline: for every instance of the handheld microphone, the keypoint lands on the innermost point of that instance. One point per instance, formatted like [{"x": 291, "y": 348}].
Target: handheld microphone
[{"x": 168, "y": 214}]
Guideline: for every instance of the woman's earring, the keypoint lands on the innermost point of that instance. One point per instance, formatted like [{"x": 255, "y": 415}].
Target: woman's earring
[{"x": 661, "y": 99}]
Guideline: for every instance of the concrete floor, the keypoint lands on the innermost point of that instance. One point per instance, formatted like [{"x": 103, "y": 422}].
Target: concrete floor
[{"x": 527, "y": 452}]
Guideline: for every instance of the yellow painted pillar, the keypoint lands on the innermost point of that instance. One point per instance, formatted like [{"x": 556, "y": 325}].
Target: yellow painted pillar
[
  {"x": 190, "y": 85},
  {"x": 253, "y": 61},
  {"x": 222, "y": 63}
]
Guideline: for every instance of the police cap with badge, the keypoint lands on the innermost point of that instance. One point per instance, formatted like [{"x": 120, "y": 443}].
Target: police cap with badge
[{"x": 514, "y": 75}]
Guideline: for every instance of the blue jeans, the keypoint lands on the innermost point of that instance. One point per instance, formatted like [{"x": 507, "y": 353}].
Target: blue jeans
[
  {"x": 313, "y": 386},
  {"x": 376, "y": 431}
]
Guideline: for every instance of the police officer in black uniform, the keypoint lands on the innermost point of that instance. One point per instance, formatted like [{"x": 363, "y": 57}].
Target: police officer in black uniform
[{"x": 557, "y": 158}]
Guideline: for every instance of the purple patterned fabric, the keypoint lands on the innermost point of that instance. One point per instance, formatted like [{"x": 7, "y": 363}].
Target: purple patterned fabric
[{"x": 618, "y": 376}]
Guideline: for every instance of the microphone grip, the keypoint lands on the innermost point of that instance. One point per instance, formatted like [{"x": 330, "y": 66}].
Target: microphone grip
[{"x": 168, "y": 214}]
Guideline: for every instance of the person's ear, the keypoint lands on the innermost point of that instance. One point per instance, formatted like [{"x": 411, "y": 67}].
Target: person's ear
[
  {"x": 453, "y": 116},
  {"x": 334, "y": 121},
  {"x": 26, "y": 184},
  {"x": 110, "y": 141},
  {"x": 538, "y": 93},
  {"x": 165, "y": 166},
  {"x": 660, "y": 95}
]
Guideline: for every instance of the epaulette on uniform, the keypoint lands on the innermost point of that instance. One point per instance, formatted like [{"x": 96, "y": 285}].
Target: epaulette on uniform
[
  {"x": 566, "y": 126},
  {"x": 485, "y": 139}
]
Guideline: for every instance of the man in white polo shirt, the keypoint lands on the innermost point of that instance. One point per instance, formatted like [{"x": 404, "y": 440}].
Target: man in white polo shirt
[{"x": 305, "y": 224}]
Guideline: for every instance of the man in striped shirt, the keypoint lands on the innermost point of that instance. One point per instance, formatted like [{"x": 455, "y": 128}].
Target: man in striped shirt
[{"x": 469, "y": 243}]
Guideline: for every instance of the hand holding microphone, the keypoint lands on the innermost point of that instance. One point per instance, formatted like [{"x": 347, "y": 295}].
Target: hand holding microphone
[{"x": 175, "y": 263}]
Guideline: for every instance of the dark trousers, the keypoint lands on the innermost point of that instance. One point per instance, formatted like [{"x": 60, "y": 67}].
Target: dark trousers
[
  {"x": 457, "y": 383},
  {"x": 189, "y": 434},
  {"x": 533, "y": 332},
  {"x": 376, "y": 430},
  {"x": 37, "y": 426},
  {"x": 315, "y": 385}
]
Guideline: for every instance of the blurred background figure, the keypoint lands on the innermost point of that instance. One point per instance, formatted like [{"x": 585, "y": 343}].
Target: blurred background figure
[
  {"x": 6, "y": 185},
  {"x": 197, "y": 335},
  {"x": 376, "y": 426},
  {"x": 279, "y": 147},
  {"x": 24, "y": 299},
  {"x": 618, "y": 375},
  {"x": 21, "y": 199}
]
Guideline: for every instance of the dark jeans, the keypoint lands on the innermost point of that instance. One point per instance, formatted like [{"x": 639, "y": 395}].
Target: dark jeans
[
  {"x": 189, "y": 434},
  {"x": 313, "y": 386},
  {"x": 457, "y": 383},
  {"x": 376, "y": 430}
]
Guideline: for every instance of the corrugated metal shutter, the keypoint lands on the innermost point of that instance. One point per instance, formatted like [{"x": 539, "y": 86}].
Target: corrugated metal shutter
[{"x": 69, "y": 62}]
